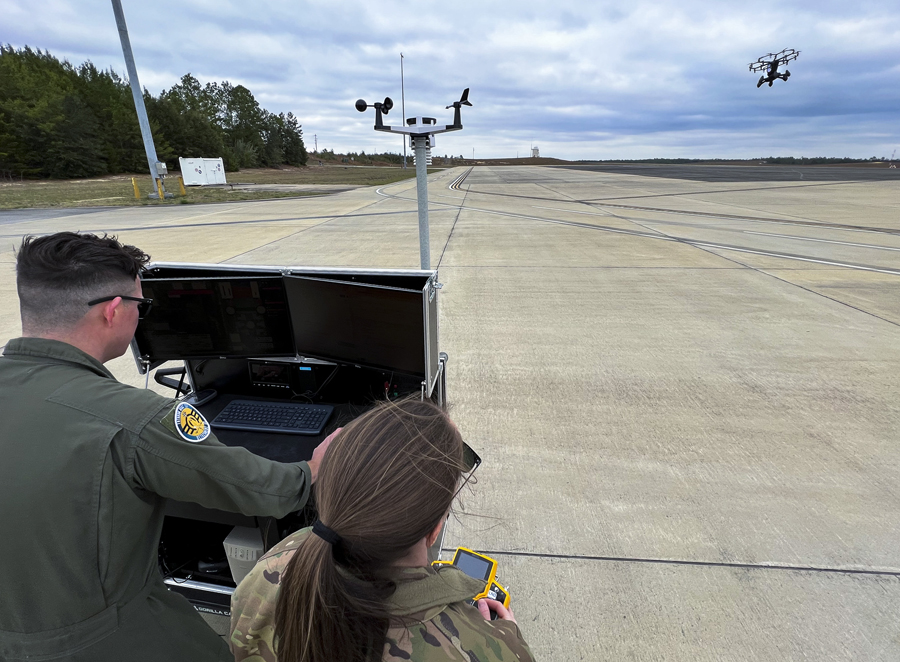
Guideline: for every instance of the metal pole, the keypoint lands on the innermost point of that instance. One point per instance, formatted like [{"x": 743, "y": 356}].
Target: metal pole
[
  {"x": 422, "y": 198},
  {"x": 403, "y": 107},
  {"x": 149, "y": 147}
]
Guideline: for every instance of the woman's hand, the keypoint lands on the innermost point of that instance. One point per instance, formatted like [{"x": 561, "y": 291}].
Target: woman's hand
[
  {"x": 486, "y": 606},
  {"x": 319, "y": 453}
]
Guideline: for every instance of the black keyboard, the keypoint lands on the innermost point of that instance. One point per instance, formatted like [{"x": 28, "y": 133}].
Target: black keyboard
[{"x": 264, "y": 416}]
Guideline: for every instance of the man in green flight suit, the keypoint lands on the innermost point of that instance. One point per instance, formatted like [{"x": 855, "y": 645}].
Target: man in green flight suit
[{"x": 88, "y": 462}]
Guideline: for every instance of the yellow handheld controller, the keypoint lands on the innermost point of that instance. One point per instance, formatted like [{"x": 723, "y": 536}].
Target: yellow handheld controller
[{"x": 481, "y": 567}]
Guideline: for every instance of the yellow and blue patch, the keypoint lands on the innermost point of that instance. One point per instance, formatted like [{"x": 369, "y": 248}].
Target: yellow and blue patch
[{"x": 190, "y": 424}]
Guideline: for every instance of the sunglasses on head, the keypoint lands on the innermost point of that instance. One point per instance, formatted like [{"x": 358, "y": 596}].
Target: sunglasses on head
[
  {"x": 144, "y": 305},
  {"x": 471, "y": 461}
]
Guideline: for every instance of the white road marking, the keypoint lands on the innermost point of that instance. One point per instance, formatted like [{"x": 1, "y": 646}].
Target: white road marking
[
  {"x": 824, "y": 241},
  {"x": 571, "y": 211},
  {"x": 893, "y": 272}
]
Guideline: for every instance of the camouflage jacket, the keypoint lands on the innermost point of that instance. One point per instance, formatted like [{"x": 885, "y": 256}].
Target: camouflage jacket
[{"x": 439, "y": 624}]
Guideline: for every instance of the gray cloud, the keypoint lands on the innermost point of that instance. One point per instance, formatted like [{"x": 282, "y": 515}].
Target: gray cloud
[{"x": 600, "y": 80}]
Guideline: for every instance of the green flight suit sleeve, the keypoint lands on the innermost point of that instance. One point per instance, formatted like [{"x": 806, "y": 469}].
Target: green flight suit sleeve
[{"x": 207, "y": 472}]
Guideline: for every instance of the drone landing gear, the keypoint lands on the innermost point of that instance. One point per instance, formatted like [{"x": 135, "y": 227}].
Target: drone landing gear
[
  {"x": 770, "y": 83},
  {"x": 762, "y": 79},
  {"x": 787, "y": 74}
]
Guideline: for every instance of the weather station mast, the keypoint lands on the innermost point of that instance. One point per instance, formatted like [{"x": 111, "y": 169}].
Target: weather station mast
[{"x": 421, "y": 132}]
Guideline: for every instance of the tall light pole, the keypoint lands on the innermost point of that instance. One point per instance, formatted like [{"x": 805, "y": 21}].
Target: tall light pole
[
  {"x": 403, "y": 107},
  {"x": 138, "y": 95}
]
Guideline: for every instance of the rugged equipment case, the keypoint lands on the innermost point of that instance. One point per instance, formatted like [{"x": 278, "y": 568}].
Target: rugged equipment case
[{"x": 191, "y": 547}]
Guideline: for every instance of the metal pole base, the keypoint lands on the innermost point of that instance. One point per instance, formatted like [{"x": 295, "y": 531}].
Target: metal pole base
[{"x": 422, "y": 199}]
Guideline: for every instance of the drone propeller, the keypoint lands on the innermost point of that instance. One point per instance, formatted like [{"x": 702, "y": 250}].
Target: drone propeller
[
  {"x": 781, "y": 57},
  {"x": 785, "y": 55}
]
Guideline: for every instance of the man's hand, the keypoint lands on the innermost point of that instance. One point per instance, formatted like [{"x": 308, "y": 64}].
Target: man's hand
[
  {"x": 486, "y": 606},
  {"x": 319, "y": 453}
]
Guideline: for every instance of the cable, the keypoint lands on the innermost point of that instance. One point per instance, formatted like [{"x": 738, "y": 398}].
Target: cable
[
  {"x": 170, "y": 574},
  {"x": 327, "y": 380}
]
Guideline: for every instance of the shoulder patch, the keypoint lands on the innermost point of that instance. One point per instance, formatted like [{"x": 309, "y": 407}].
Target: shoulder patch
[{"x": 189, "y": 423}]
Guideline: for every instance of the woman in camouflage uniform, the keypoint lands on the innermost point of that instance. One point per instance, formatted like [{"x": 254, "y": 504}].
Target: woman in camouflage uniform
[{"x": 357, "y": 586}]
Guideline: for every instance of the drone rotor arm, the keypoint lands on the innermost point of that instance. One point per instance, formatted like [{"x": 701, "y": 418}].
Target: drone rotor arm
[{"x": 787, "y": 55}]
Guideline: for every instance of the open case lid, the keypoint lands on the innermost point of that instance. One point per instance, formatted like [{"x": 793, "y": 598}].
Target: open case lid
[{"x": 379, "y": 318}]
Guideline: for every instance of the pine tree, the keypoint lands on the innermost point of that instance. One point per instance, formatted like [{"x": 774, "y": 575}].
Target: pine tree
[{"x": 57, "y": 120}]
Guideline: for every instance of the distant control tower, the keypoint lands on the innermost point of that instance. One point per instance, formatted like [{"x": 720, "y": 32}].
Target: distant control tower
[{"x": 535, "y": 153}]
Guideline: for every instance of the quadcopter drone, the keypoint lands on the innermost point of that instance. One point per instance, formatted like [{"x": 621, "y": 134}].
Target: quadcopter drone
[{"x": 770, "y": 63}]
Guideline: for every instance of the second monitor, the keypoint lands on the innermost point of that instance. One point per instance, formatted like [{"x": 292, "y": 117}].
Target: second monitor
[{"x": 372, "y": 325}]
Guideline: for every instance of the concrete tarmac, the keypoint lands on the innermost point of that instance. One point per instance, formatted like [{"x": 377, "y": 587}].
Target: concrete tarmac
[{"x": 684, "y": 391}]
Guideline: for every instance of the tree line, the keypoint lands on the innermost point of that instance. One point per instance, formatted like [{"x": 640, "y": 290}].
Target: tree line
[{"x": 58, "y": 120}]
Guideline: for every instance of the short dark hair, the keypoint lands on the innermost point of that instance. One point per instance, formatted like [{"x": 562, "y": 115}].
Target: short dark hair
[{"x": 57, "y": 274}]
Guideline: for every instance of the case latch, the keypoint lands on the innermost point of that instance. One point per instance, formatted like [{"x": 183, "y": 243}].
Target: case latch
[{"x": 432, "y": 289}]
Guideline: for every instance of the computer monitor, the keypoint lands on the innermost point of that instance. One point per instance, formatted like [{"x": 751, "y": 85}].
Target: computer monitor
[
  {"x": 203, "y": 318},
  {"x": 371, "y": 325}
]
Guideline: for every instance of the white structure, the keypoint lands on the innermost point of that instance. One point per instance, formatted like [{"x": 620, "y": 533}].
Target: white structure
[
  {"x": 535, "y": 153},
  {"x": 421, "y": 132},
  {"x": 202, "y": 172}
]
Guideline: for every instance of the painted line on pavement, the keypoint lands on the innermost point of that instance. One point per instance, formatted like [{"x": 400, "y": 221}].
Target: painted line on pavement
[
  {"x": 705, "y": 564},
  {"x": 824, "y": 241}
]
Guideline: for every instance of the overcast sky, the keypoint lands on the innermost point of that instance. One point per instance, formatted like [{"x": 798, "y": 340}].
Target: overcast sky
[{"x": 581, "y": 80}]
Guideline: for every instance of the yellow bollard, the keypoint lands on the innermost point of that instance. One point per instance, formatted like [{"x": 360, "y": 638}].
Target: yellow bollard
[
  {"x": 137, "y": 191},
  {"x": 181, "y": 186},
  {"x": 159, "y": 189}
]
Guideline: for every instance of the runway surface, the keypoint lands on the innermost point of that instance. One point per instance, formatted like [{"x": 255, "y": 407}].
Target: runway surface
[
  {"x": 748, "y": 173},
  {"x": 684, "y": 390}
]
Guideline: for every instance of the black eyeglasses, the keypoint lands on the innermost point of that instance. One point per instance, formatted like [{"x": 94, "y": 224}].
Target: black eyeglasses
[
  {"x": 471, "y": 461},
  {"x": 144, "y": 305}
]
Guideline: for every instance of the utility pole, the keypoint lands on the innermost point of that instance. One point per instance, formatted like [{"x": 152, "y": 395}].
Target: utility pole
[
  {"x": 316, "y": 138},
  {"x": 403, "y": 107},
  {"x": 149, "y": 147}
]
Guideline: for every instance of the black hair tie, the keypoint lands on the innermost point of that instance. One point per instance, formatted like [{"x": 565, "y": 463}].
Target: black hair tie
[{"x": 325, "y": 533}]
